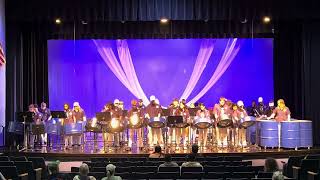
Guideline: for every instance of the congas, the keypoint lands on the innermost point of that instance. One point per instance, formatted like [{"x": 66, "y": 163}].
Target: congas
[
  {"x": 135, "y": 122},
  {"x": 305, "y": 133},
  {"x": 202, "y": 122},
  {"x": 268, "y": 133},
  {"x": 225, "y": 121},
  {"x": 290, "y": 134},
  {"x": 54, "y": 126},
  {"x": 157, "y": 122},
  {"x": 74, "y": 128},
  {"x": 247, "y": 121}
]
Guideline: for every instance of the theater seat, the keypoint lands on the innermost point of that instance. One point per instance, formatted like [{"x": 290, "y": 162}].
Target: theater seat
[
  {"x": 27, "y": 167},
  {"x": 6, "y": 163},
  {"x": 11, "y": 172},
  {"x": 4, "y": 158}
]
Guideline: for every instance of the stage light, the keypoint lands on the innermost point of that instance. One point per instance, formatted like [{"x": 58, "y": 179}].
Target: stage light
[
  {"x": 134, "y": 119},
  {"x": 115, "y": 123},
  {"x": 164, "y": 20},
  {"x": 57, "y": 21},
  {"x": 266, "y": 19}
]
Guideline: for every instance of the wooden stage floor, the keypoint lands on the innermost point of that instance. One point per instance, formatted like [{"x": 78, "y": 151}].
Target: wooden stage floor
[{"x": 84, "y": 154}]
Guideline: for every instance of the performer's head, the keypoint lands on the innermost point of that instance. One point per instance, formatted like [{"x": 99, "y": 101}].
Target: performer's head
[
  {"x": 201, "y": 106},
  {"x": 222, "y": 101},
  {"x": 31, "y": 108},
  {"x": 253, "y": 103},
  {"x": 235, "y": 107},
  {"x": 175, "y": 103},
  {"x": 271, "y": 103},
  {"x": 240, "y": 104},
  {"x": 116, "y": 102},
  {"x": 281, "y": 104},
  {"x": 76, "y": 106},
  {"x": 35, "y": 107},
  {"x": 121, "y": 105},
  {"x": 43, "y": 105},
  {"x": 192, "y": 105},
  {"x": 260, "y": 100},
  {"x": 140, "y": 102},
  {"x": 134, "y": 103},
  {"x": 184, "y": 101},
  {"x": 152, "y": 100},
  {"x": 66, "y": 106}
]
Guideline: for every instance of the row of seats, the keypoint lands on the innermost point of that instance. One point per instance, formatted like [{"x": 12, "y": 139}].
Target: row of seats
[
  {"x": 174, "y": 158},
  {"x": 22, "y": 167}
]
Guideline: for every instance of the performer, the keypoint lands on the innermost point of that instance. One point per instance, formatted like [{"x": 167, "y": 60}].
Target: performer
[
  {"x": 221, "y": 111},
  {"x": 37, "y": 118},
  {"x": 239, "y": 114},
  {"x": 183, "y": 133},
  {"x": 252, "y": 110},
  {"x": 154, "y": 110},
  {"x": 68, "y": 120},
  {"x": 46, "y": 116},
  {"x": 107, "y": 137},
  {"x": 281, "y": 112},
  {"x": 141, "y": 105},
  {"x": 78, "y": 115},
  {"x": 261, "y": 107},
  {"x": 135, "y": 116},
  {"x": 203, "y": 133},
  {"x": 270, "y": 108},
  {"x": 172, "y": 131}
]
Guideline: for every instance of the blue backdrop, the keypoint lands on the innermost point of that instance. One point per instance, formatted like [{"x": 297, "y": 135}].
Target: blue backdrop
[{"x": 163, "y": 66}]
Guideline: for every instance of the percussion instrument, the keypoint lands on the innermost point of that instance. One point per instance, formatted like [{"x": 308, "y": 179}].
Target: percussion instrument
[
  {"x": 37, "y": 128},
  {"x": 53, "y": 126},
  {"x": 202, "y": 122},
  {"x": 15, "y": 127},
  {"x": 247, "y": 121},
  {"x": 93, "y": 126},
  {"x": 225, "y": 121},
  {"x": 269, "y": 133},
  {"x": 182, "y": 125},
  {"x": 135, "y": 122},
  {"x": 157, "y": 122},
  {"x": 74, "y": 128},
  {"x": 116, "y": 125},
  {"x": 305, "y": 133}
]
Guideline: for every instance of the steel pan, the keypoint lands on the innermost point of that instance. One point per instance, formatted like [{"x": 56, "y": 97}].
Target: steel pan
[
  {"x": 305, "y": 133},
  {"x": 268, "y": 133},
  {"x": 182, "y": 125},
  {"x": 202, "y": 123},
  {"x": 116, "y": 125},
  {"x": 15, "y": 127},
  {"x": 74, "y": 128},
  {"x": 247, "y": 121},
  {"x": 290, "y": 134},
  {"x": 93, "y": 126},
  {"x": 135, "y": 122},
  {"x": 54, "y": 126},
  {"x": 157, "y": 122}
]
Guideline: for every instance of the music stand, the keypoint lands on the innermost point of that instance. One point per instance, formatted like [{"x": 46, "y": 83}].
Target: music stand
[
  {"x": 103, "y": 117},
  {"x": 173, "y": 120},
  {"x": 25, "y": 117},
  {"x": 58, "y": 114}
]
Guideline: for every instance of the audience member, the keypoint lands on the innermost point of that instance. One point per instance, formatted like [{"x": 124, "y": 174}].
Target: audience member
[
  {"x": 195, "y": 148},
  {"x": 270, "y": 165},
  {"x": 168, "y": 162},
  {"x": 83, "y": 173},
  {"x": 111, "y": 169},
  {"x": 54, "y": 173},
  {"x": 191, "y": 162},
  {"x": 157, "y": 153},
  {"x": 278, "y": 176}
]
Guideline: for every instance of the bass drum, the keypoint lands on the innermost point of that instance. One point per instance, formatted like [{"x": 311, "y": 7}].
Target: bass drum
[
  {"x": 202, "y": 123},
  {"x": 157, "y": 122}
]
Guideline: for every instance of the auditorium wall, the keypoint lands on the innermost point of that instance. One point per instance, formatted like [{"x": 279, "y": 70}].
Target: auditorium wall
[{"x": 2, "y": 71}]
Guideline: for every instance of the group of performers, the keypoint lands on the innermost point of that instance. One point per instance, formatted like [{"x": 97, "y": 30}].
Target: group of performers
[{"x": 137, "y": 120}]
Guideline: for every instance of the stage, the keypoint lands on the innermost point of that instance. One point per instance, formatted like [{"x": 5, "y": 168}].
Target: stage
[{"x": 80, "y": 154}]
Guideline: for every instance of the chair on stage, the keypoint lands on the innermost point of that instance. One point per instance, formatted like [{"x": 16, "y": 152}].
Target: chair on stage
[{"x": 11, "y": 172}]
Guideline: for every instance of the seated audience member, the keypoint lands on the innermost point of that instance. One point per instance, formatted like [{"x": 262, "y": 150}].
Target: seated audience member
[
  {"x": 157, "y": 153},
  {"x": 191, "y": 162},
  {"x": 54, "y": 174},
  {"x": 270, "y": 165},
  {"x": 83, "y": 173},
  {"x": 195, "y": 149},
  {"x": 277, "y": 176},
  {"x": 111, "y": 170},
  {"x": 168, "y": 162}
]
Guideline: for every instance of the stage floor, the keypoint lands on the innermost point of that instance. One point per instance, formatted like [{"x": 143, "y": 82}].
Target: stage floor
[{"x": 84, "y": 154}]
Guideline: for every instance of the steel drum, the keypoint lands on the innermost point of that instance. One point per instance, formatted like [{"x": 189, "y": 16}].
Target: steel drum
[
  {"x": 225, "y": 121},
  {"x": 116, "y": 125},
  {"x": 202, "y": 122},
  {"x": 268, "y": 133},
  {"x": 135, "y": 122},
  {"x": 305, "y": 133},
  {"x": 247, "y": 121},
  {"x": 15, "y": 127},
  {"x": 290, "y": 134},
  {"x": 157, "y": 122},
  {"x": 74, "y": 128},
  {"x": 93, "y": 126},
  {"x": 54, "y": 126},
  {"x": 182, "y": 125}
]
